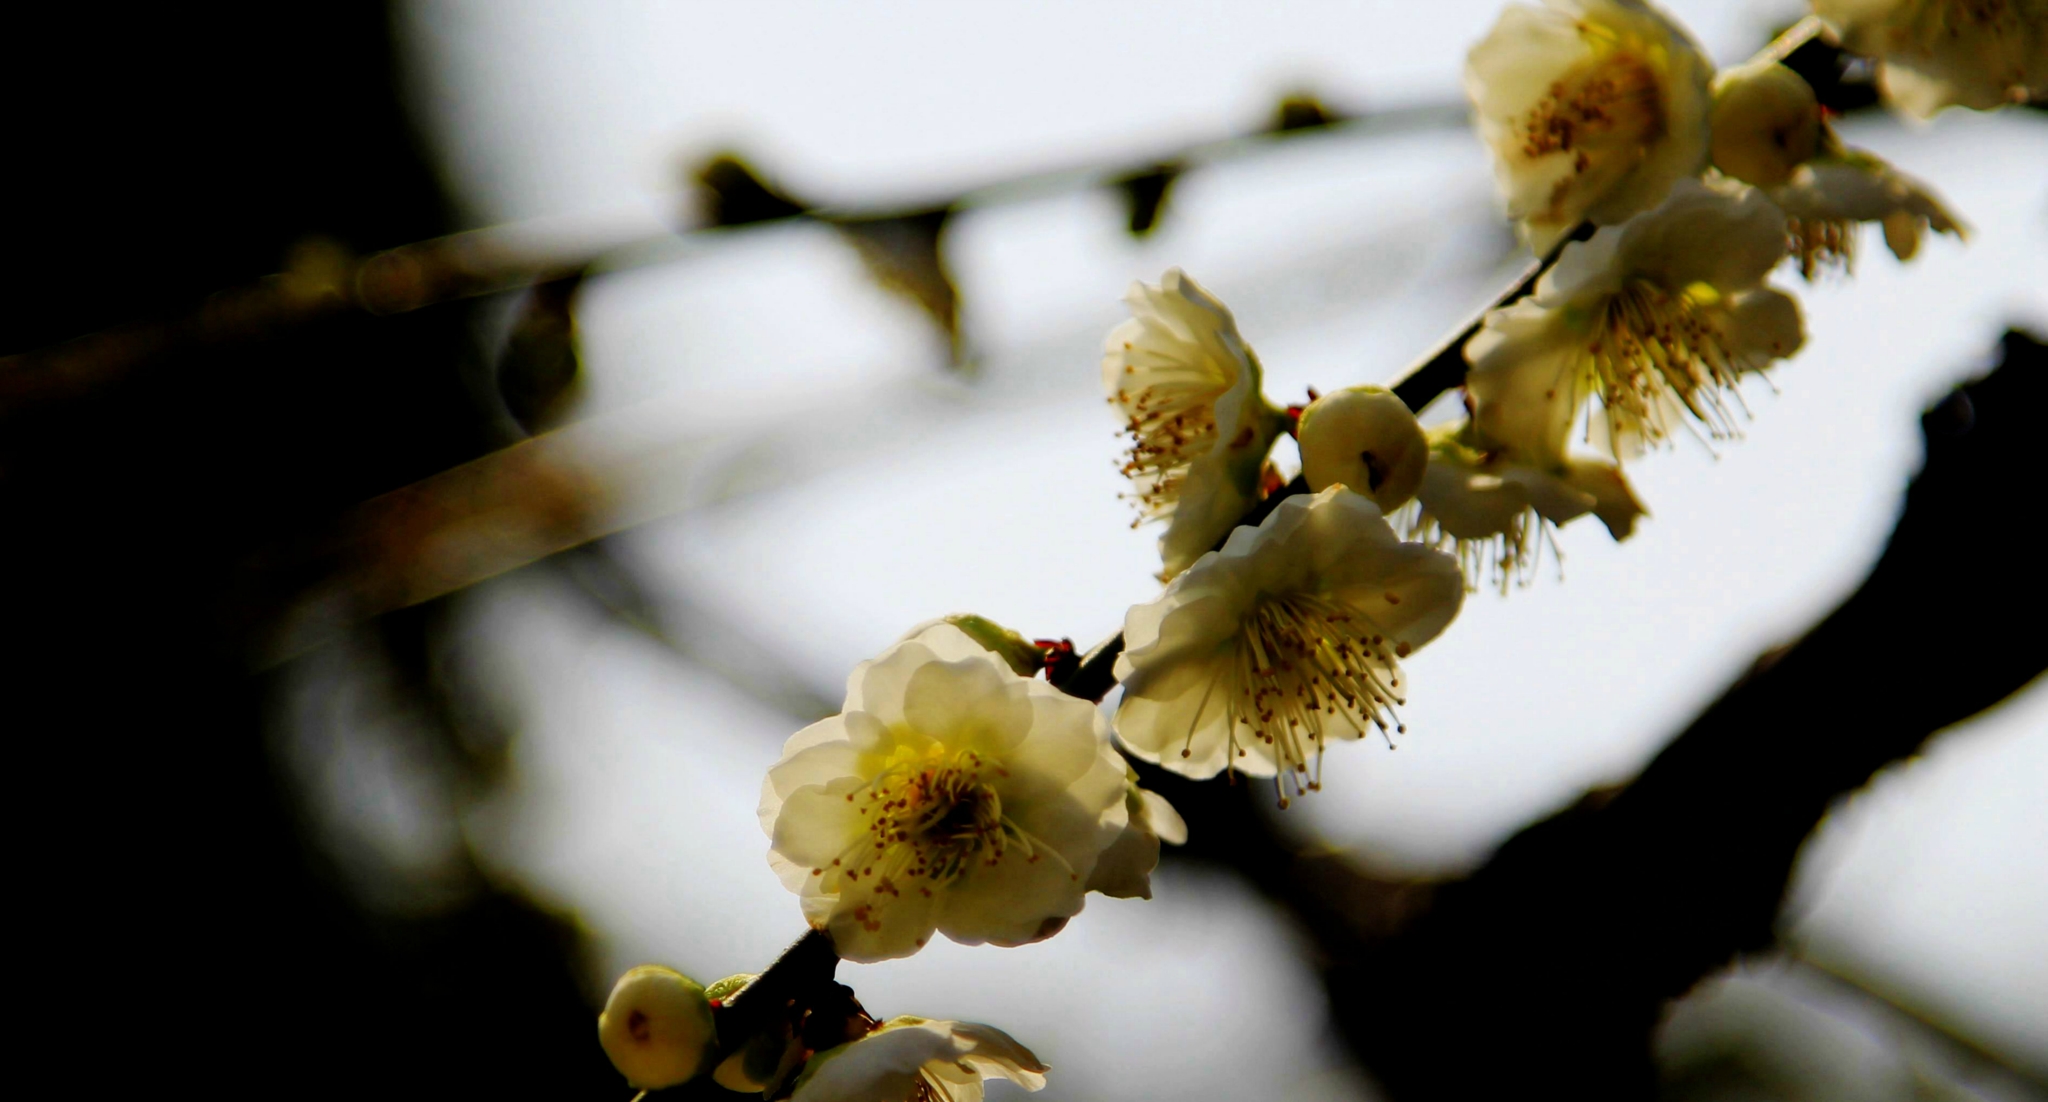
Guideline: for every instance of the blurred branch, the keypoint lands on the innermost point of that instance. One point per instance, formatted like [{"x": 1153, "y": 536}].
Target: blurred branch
[
  {"x": 325, "y": 281},
  {"x": 494, "y": 514},
  {"x": 1956, "y": 1049}
]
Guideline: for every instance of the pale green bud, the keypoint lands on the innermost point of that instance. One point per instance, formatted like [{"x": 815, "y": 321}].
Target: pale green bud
[
  {"x": 656, "y": 1027},
  {"x": 1365, "y": 438},
  {"x": 1020, "y": 653},
  {"x": 722, "y": 991},
  {"x": 1766, "y": 123}
]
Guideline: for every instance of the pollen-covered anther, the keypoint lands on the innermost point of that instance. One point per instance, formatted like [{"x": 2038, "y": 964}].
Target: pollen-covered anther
[
  {"x": 1653, "y": 342},
  {"x": 1822, "y": 243},
  {"x": 934, "y": 821},
  {"x": 1303, "y": 661}
]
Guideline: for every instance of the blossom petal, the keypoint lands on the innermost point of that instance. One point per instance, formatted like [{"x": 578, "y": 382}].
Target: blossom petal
[
  {"x": 1765, "y": 325},
  {"x": 1728, "y": 237},
  {"x": 1614, "y": 501},
  {"x": 1023, "y": 897},
  {"x": 968, "y": 703},
  {"x": 1527, "y": 379}
]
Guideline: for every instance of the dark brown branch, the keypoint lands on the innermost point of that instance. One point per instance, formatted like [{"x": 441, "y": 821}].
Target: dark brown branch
[
  {"x": 1556, "y": 958},
  {"x": 802, "y": 970}
]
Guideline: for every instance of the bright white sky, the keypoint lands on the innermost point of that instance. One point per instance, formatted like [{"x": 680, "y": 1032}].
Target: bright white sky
[{"x": 853, "y": 490}]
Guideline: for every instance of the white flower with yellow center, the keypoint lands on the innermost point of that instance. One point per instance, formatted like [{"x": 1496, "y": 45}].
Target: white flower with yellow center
[
  {"x": 950, "y": 794},
  {"x": 1591, "y": 108},
  {"x": 1496, "y": 507},
  {"x": 910, "y": 1059},
  {"x": 1660, "y": 319},
  {"x": 1187, "y": 387},
  {"x": 1942, "y": 53},
  {"x": 1828, "y": 196},
  {"x": 1288, "y": 638}
]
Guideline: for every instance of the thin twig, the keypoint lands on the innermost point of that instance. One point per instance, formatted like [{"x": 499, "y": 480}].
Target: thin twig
[{"x": 508, "y": 257}]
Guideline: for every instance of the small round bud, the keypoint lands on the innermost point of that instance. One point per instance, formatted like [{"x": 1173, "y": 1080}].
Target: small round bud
[
  {"x": 1365, "y": 438},
  {"x": 1766, "y": 123},
  {"x": 656, "y": 1027}
]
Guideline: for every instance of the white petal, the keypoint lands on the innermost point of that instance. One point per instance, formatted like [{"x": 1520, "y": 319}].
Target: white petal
[
  {"x": 877, "y": 917},
  {"x": 1728, "y": 237},
  {"x": 968, "y": 704},
  {"x": 1528, "y": 379},
  {"x": 1022, "y": 898},
  {"x": 1765, "y": 325},
  {"x": 1614, "y": 501}
]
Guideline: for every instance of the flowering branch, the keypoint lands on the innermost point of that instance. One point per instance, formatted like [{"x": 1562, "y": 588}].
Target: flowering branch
[
  {"x": 1563, "y": 948},
  {"x": 1419, "y": 385}
]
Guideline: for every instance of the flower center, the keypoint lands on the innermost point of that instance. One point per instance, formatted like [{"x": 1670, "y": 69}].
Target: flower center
[
  {"x": 1305, "y": 662},
  {"x": 1610, "y": 102},
  {"x": 929, "y": 819},
  {"x": 1655, "y": 352}
]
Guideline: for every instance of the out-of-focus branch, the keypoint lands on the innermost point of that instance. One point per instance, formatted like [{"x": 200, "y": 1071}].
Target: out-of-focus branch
[
  {"x": 323, "y": 281},
  {"x": 1556, "y": 957}
]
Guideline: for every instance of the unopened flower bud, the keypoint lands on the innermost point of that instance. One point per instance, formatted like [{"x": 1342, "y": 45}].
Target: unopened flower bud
[
  {"x": 1017, "y": 652},
  {"x": 656, "y": 1027},
  {"x": 721, "y": 992},
  {"x": 1365, "y": 438},
  {"x": 1766, "y": 123}
]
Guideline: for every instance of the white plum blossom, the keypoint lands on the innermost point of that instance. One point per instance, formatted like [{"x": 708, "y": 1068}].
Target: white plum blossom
[
  {"x": 1287, "y": 638},
  {"x": 1828, "y": 196},
  {"x": 909, "y": 1059},
  {"x": 1591, "y": 109},
  {"x": 1495, "y": 506},
  {"x": 1943, "y": 53},
  {"x": 1187, "y": 387},
  {"x": 950, "y": 794},
  {"x": 1125, "y": 870},
  {"x": 1363, "y": 437},
  {"x": 1659, "y": 318}
]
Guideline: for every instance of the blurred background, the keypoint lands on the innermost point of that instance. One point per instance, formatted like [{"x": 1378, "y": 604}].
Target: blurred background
[{"x": 322, "y": 796}]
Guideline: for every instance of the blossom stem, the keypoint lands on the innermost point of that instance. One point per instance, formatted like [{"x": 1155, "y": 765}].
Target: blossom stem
[
  {"x": 1444, "y": 368},
  {"x": 1794, "y": 36},
  {"x": 1417, "y": 387},
  {"x": 803, "y": 969}
]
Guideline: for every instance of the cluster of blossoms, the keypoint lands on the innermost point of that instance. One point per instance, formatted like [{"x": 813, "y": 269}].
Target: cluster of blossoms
[{"x": 961, "y": 791}]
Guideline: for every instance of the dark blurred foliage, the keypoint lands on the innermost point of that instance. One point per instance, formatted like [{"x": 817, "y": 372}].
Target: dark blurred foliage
[
  {"x": 903, "y": 251},
  {"x": 729, "y": 192},
  {"x": 1145, "y": 193},
  {"x": 178, "y": 922},
  {"x": 905, "y": 255},
  {"x": 1303, "y": 111},
  {"x": 539, "y": 371},
  {"x": 1841, "y": 81}
]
